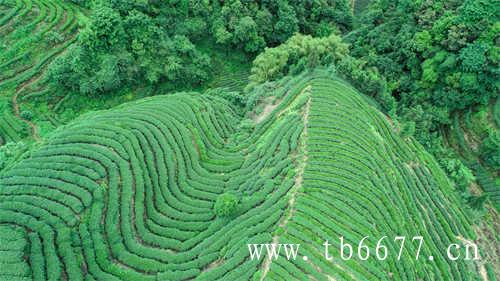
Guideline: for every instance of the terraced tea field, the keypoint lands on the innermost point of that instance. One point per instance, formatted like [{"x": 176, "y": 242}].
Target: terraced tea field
[
  {"x": 32, "y": 34},
  {"x": 129, "y": 193}
]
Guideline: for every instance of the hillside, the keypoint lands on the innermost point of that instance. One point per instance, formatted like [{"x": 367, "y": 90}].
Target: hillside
[
  {"x": 474, "y": 135},
  {"x": 129, "y": 193},
  {"x": 32, "y": 35}
]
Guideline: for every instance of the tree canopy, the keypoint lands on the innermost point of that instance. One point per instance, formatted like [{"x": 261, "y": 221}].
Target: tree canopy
[
  {"x": 438, "y": 56},
  {"x": 127, "y": 42}
]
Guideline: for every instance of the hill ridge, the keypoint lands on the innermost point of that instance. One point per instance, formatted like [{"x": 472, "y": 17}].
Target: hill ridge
[{"x": 128, "y": 193}]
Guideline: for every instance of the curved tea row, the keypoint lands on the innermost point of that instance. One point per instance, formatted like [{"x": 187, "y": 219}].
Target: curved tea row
[
  {"x": 362, "y": 180},
  {"x": 32, "y": 34},
  {"x": 129, "y": 194}
]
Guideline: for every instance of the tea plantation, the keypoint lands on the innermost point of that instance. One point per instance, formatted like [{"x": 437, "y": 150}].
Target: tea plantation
[
  {"x": 130, "y": 193},
  {"x": 32, "y": 34},
  {"x": 160, "y": 140}
]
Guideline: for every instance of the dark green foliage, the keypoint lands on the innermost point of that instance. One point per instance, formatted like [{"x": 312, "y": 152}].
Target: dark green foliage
[
  {"x": 473, "y": 57},
  {"x": 254, "y": 25},
  {"x": 477, "y": 202},
  {"x": 459, "y": 173},
  {"x": 287, "y": 23},
  {"x": 490, "y": 150},
  {"x": 27, "y": 115},
  {"x": 226, "y": 205},
  {"x": 129, "y": 43},
  {"x": 116, "y": 50},
  {"x": 475, "y": 12},
  {"x": 437, "y": 56}
]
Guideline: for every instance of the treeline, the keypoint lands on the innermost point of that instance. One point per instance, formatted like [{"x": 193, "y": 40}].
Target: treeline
[
  {"x": 136, "y": 42},
  {"x": 304, "y": 52}
]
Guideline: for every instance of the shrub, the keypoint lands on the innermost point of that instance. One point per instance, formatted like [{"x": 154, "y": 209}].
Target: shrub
[
  {"x": 54, "y": 38},
  {"x": 490, "y": 149},
  {"x": 226, "y": 205},
  {"x": 27, "y": 115},
  {"x": 459, "y": 173},
  {"x": 477, "y": 202}
]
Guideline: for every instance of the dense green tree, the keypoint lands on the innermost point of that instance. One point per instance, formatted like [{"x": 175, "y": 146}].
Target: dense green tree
[
  {"x": 438, "y": 55},
  {"x": 117, "y": 49},
  {"x": 128, "y": 42},
  {"x": 475, "y": 12},
  {"x": 473, "y": 57},
  {"x": 459, "y": 173},
  {"x": 287, "y": 23},
  {"x": 246, "y": 33}
]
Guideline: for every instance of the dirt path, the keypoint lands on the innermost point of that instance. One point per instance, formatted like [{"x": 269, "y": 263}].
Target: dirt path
[
  {"x": 488, "y": 243},
  {"x": 268, "y": 108},
  {"x": 17, "y": 113},
  {"x": 298, "y": 183},
  {"x": 24, "y": 85},
  {"x": 16, "y": 107},
  {"x": 481, "y": 267}
]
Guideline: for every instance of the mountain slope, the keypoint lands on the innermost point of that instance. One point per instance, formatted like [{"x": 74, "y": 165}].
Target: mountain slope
[
  {"x": 129, "y": 193},
  {"x": 32, "y": 35}
]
